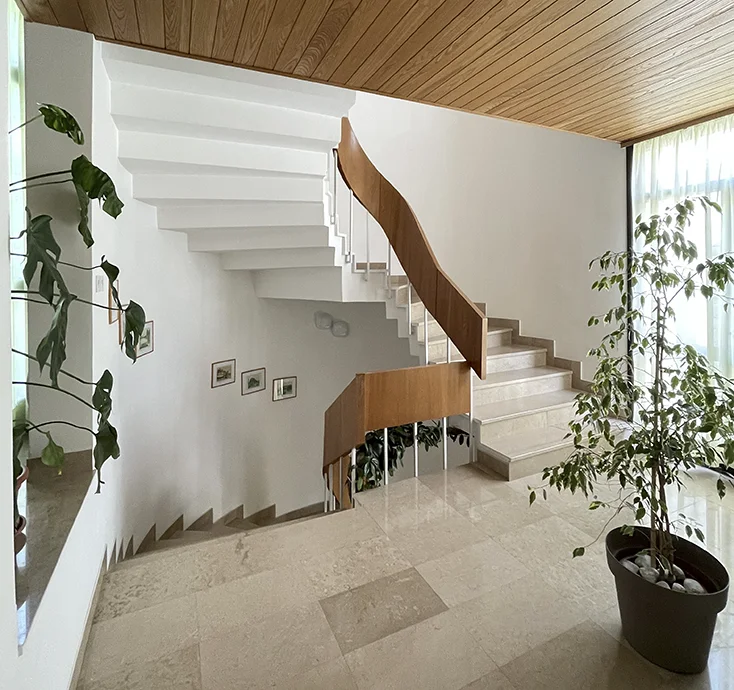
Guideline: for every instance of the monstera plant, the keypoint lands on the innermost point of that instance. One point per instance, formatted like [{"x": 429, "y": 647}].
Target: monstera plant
[{"x": 44, "y": 283}]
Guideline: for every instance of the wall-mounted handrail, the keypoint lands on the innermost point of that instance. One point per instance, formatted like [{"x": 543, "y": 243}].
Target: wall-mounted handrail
[{"x": 457, "y": 315}]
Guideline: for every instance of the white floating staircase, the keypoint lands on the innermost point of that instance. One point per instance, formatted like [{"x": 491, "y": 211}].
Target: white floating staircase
[{"x": 241, "y": 162}]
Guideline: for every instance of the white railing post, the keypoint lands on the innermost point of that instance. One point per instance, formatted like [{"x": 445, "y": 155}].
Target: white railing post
[
  {"x": 326, "y": 494},
  {"x": 353, "y": 473},
  {"x": 367, "y": 246},
  {"x": 332, "y": 182},
  {"x": 444, "y": 429},
  {"x": 425, "y": 332},
  {"x": 341, "y": 482},
  {"x": 351, "y": 227},
  {"x": 415, "y": 449},
  {"x": 388, "y": 265},
  {"x": 448, "y": 350},
  {"x": 472, "y": 443},
  {"x": 332, "y": 497},
  {"x": 410, "y": 308},
  {"x": 385, "y": 453}
]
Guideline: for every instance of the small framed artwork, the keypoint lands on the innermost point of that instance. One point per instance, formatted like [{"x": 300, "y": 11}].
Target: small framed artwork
[
  {"x": 145, "y": 342},
  {"x": 285, "y": 388},
  {"x": 253, "y": 381},
  {"x": 223, "y": 373},
  {"x": 113, "y": 313}
]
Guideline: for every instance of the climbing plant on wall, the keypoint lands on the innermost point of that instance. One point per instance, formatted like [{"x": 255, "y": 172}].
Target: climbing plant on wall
[{"x": 43, "y": 275}]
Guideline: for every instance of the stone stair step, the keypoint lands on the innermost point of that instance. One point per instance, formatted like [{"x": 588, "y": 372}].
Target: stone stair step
[{"x": 517, "y": 383}]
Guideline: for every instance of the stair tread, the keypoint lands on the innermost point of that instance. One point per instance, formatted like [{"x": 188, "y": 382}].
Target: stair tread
[
  {"x": 517, "y": 375},
  {"x": 528, "y": 443},
  {"x": 517, "y": 407}
]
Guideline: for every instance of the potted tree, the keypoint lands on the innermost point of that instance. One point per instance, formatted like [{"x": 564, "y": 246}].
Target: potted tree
[{"x": 679, "y": 413}]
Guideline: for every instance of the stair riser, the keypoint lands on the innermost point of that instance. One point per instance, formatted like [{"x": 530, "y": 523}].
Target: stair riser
[
  {"x": 264, "y": 259},
  {"x": 240, "y": 215},
  {"x": 519, "y": 389},
  {"x": 525, "y": 467},
  {"x": 538, "y": 420},
  {"x": 244, "y": 239},
  {"x": 513, "y": 362}
]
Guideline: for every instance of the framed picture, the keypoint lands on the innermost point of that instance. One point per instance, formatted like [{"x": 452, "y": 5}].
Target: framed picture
[
  {"x": 113, "y": 315},
  {"x": 253, "y": 381},
  {"x": 285, "y": 388},
  {"x": 223, "y": 373},
  {"x": 145, "y": 342}
]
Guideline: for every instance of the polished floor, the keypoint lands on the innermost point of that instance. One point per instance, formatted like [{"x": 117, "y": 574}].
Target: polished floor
[{"x": 445, "y": 582}]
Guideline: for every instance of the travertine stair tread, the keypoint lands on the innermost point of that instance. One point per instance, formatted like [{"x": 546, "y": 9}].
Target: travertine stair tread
[
  {"x": 528, "y": 443},
  {"x": 496, "y": 352},
  {"x": 518, "y": 375},
  {"x": 518, "y": 407},
  {"x": 179, "y": 538}
]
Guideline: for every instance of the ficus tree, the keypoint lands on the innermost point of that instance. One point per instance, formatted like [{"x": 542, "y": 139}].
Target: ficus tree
[
  {"x": 43, "y": 277},
  {"x": 678, "y": 409},
  {"x": 371, "y": 458}
]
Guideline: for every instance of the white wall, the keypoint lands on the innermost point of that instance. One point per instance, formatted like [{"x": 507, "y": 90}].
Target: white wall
[
  {"x": 513, "y": 212},
  {"x": 52, "y": 54}
]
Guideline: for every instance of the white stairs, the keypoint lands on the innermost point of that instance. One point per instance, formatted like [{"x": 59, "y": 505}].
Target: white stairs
[{"x": 242, "y": 163}]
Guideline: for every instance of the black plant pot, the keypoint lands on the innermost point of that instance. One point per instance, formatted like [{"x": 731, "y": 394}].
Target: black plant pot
[{"x": 672, "y": 629}]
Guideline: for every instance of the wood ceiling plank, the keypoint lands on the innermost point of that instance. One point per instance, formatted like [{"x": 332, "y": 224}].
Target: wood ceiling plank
[
  {"x": 636, "y": 77},
  {"x": 460, "y": 52},
  {"x": 281, "y": 24},
  {"x": 370, "y": 39},
  {"x": 531, "y": 35},
  {"x": 204, "y": 14},
  {"x": 308, "y": 22},
  {"x": 587, "y": 33},
  {"x": 426, "y": 32},
  {"x": 68, "y": 14},
  {"x": 331, "y": 26},
  {"x": 229, "y": 26},
  {"x": 648, "y": 30},
  {"x": 440, "y": 44},
  {"x": 97, "y": 18},
  {"x": 124, "y": 17},
  {"x": 40, "y": 11},
  {"x": 177, "y": 25},
  {"x": 151, "y": 23},
  {"x": 359, "y": 22},
  {"x": 253, "y": 30},
  {"x": 401, "y": 32}
]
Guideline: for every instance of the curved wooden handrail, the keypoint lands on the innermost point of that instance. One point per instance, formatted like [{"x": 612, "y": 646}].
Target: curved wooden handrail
[{"x": 460, "y": 318}]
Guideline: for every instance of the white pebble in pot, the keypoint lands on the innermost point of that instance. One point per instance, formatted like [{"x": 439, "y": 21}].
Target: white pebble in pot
[
  {"x": 630, "y": 566},
  {"x": 649, "y": 574},
  {"x": 662, "y": 584},
  {"x": 693, "y": 586},
  {"x": 643, "y": 560},
  {"x": 678, "y": 587}
]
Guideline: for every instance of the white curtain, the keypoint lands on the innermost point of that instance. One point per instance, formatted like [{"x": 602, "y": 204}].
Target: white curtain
[{"x": 698, "y": 160}]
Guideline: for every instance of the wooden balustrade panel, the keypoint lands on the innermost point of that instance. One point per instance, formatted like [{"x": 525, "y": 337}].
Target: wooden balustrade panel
[
  {"x": 344, "y": 422},
  {"x": 404, "y": 396},
  {"x": 459, "y": 317}
]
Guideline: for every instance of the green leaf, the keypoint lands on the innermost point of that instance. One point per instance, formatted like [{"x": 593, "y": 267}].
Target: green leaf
[
  {"x": 43, "y": 249},
  {"x": 579, "y": 551},
  {"x": 106, "y": 447},
  {"x": 134, "y": 316},
  {"x": 61, "y": 120},
  {"x": 101, "y": 398},
  {"x": 53, "y": 345},
  {"x": 699, "y": 535},
  {"x": 532, "y": 497},
  {"x": 93, "y": 183},
  {"x": 112, "y": 272},
  {"x": 52, "y": 455}
]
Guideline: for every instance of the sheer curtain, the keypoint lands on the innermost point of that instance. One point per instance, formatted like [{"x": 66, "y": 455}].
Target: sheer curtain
[{"x": 697, "y": 160}]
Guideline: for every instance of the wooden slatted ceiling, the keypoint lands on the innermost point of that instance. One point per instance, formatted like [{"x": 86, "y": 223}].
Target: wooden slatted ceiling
[{"x": 616, "y": 69}]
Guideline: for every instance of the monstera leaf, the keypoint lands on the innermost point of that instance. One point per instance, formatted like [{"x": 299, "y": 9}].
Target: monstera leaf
[
  {"x": 101, "y": 398},
  {"x": 61, "y": 120},
  {"x": 111, "y": 271},
  {"x": 43, "y": 249},
  {"x": 134, "y": 317},
  {"x": 106, "y": 447},
  {"x": 93, "y": 183},
  {"x": 53, "y": 454},
  {"x": 52, "y": 348}
]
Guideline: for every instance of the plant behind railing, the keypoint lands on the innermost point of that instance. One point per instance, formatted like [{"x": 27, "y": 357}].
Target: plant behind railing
[{"x": 43, "y": 265}]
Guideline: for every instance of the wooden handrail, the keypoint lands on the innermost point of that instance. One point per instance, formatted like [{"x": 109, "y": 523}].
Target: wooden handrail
[
  {"x": 382, "y": 399},
  {"x": 458, "y": 316}
]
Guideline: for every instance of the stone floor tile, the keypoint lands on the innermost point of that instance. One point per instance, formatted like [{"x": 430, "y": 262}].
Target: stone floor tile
[
  {"x": 471, "y": 572},
  {"x": 436, "y": 654},
  {"x": 597, "y": 523},
  {"x": 179, "y": 670},
  {"x": 268, "y": 651},
  {"x": 582, "y": 658},
  {"x": 432, "y": 540},
  {"x": 380, "y": 608},
  {"x": 505, "y": 514},
  {"x": 496, "y": 680},
  {"x": 333, "y": 675},
  {"x": 512, "y": 620},
  {"x": 354, "y": 565},
  {"x": 124, "y": 642}
]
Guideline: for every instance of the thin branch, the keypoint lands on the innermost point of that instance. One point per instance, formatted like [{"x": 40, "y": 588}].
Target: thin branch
[
  {"x": 63, "y": 371},
  {"x": 60, "y": 421},
  {"x": 40, "y": 184},
  {"x": 23, "y": 124},
  {"x": 78, "y": 299},
  {"x": 41, "y": 176},
  {"x": 62, "y": 263},
  {"x": 54, "y": 388}
]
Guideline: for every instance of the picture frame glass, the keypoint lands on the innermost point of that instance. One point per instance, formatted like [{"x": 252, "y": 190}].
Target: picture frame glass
[
  {"x": 223, "y": 373},
  {"x": 253, "y": 381},
  {"x": 285, "y": 388}
]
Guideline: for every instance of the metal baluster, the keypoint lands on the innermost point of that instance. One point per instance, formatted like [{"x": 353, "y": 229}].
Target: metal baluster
[
  {"x": 472, "y": 443},
  {"x": 410, "y": 308},
  {"x": 326, "y": 494},
  {"x": 353, "y": 466},
  {"x": 367, "y": 245},
  {"x": 448, "y": 350},
  {"x": 425, "y": 332},
  {"x": 341, "y": 483},
  {"x": 351, "y": 228},
  {"x": 444, "y": 426},
  {"x": 333, "y": 179},
  {"x": 332, "y": 497},
  {"x": 385, "y": 454},
  {"x": 388, "y": 266},
  {"x": 415, "y": 449}
]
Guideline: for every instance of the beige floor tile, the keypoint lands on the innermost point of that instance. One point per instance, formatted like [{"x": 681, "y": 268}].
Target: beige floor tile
[
  {"x": 223, "y": 609},
  {"x": 267, "y": 652},
  {"x": 471, "y": 572},
  {"x": 582, "y": 658},
  {"x": 179, "y": 670},
  {"x": 436, "y": 654},
  {"x": 380, "y": 608},
  {"x": 517, "y": 617},
  {"x": 333, "y": 675},
  {"x": 136, "y": 638},
  {"x": 543, "y": 543},
  {"x": 555, "y": 501},
  {"x": 506, "y": 514},
  {"x": 354, "y": 565},
  {"x": 465, "y": 486},
  {"x": 496, "y": 680},
  {"x": 597, "y": 523},
  {"x": 432, "y": 540}
]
